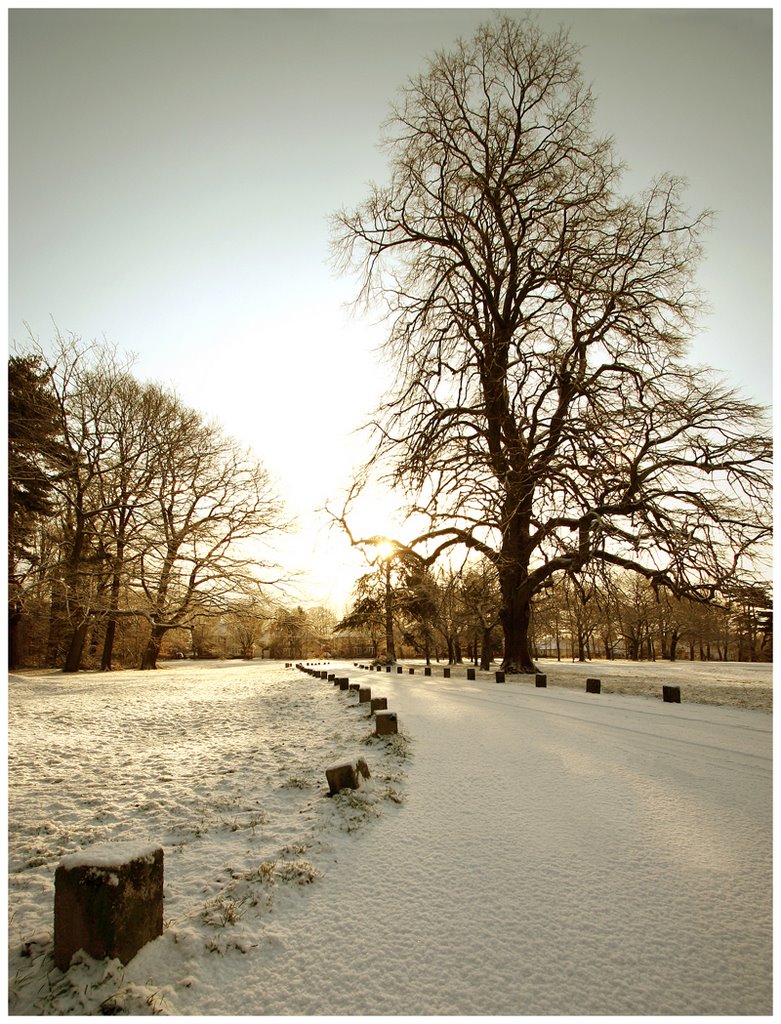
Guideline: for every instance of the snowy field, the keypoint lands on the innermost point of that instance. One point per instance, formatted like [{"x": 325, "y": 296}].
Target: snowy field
[
  {"x": 732, "y": 684},
  {"x": 517, "y": 851}
]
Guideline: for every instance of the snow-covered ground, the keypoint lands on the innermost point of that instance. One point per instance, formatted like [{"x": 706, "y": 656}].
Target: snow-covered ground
[
  {"x": 517, "y": 850},
  {"x": 734, "y": 684}
]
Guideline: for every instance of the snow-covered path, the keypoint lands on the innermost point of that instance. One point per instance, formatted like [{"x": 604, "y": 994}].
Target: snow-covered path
[
  {"x": 559, "y": 853},
  {"x": 556, "y": 852}
]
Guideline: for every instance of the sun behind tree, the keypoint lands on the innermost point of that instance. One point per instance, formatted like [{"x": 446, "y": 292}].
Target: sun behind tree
[{"x": 540, "y": 412}]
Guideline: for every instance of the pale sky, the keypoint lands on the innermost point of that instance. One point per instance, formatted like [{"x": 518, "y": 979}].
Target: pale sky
[{"x": 172, "y": 172}]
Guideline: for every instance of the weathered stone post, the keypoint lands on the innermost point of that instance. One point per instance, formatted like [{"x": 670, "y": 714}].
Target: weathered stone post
[
  {"x": 364, "y": 694},
  {"x": 446, "y": 673},
  {"x": 500, "y": 677},
  {"x": 470, "y": 673},
  {"x": 108, "y": 901},
  {"x": 427, "y": 670},
  {"x": 593, "y": 686},
  {"x": 378, "y": 704},
  {"x": 671, "y": 694},
  {"x": 386, "y": 723},
  {"x": 540, "y": 679},
  {"x": 346, "y": 776}
]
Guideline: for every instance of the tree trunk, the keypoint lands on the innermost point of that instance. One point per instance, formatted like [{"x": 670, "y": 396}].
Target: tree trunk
[
  {"x": 581, "y": 646},
  {"x": 111, "y": 625},
  {"x": 149, "y": 657},
  {"x": 390, "y": 647},
  {"x": 76, "y": 649},
  {"x": 56, "y": 645},
  {"x": 485, "y": 652},
  {"x": 673, "y": 645},
  {"x": 515, "y": 618},
  {"x": 14, "y": 619},
  {"x": 108, "y": 645}
]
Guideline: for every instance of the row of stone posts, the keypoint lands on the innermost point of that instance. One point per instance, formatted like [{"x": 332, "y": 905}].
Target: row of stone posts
[
  {"x": 348, "y": 775},
  {"x": 670, "y": 694}
]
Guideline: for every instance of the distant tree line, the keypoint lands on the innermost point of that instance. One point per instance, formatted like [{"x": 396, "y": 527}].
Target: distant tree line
[
  {"x": 452, "y": 615},
  {"x": 131, "y": 518}
]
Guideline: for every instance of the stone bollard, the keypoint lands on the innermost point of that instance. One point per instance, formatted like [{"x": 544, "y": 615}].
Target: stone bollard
[
  {"x": 323, "y": 675},
  {"x": 354, "y": 687},
  {"x": 593, "y": 686},
  {"x": 346, "y": 776},
  {"x": 364, "y": 694},
  {"x": 378, "y": 704},
  {"x": 399, "y": 669},
  {"x": 344, "y": 682},
  {"x": 671, "y": 694},
  {"x": 412, "y": 671},
  {"x": 427, "y": 670},
  {"x": 446, "y": 673},
  {"x": 500, "y": 677},
  {"x": 331, "y": 676},
  {"x": 108, "y": 901},
  {"x": 470, "y": 673},
  {"x": 540, "y": 679},
  {"x": 387, "y": 668},
  {"x": 386, "y": 723}
]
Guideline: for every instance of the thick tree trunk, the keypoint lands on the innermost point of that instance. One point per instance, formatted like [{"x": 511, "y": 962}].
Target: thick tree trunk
[
  {"x": 515, "y": 618},
  {"x": 515, "y": 614},
  {"x": 76, "y": 649},
  {"x": 149, "y": 657},
  {"x": 108, "y": 645}
]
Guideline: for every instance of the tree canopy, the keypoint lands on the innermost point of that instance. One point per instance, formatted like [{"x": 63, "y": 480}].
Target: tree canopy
[{"x": 543, "y": 413}]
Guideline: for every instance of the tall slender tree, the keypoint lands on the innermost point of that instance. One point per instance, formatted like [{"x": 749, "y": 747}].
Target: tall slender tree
[{"x": 36, "y": 456}]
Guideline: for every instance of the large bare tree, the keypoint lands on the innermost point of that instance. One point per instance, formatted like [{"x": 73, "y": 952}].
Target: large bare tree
[
  {"x": 542, "y": 412},
  {"x": 159, "y": 515},
  {"x": 212, "y": 504}
]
